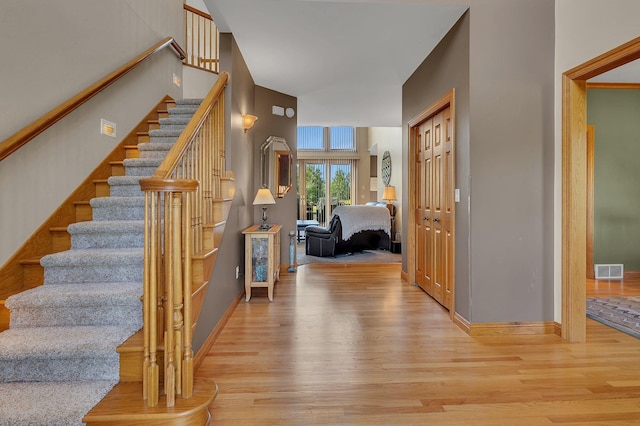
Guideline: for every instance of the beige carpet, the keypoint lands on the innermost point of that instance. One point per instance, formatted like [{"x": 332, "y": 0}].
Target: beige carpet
[{"x": 367, "y": 256}]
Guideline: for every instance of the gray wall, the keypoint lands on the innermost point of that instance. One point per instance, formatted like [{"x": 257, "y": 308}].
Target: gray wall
[
  {"x": 239, "y": 99},
  {"x": 284, "y": 211},
  {"x": 504, "y": 164},
  {"x": 244, "y": 97},
  {"x": 51, "y": 51},
  {"x": 614, "y": 114},
  {"x": 447, "y": 67}
]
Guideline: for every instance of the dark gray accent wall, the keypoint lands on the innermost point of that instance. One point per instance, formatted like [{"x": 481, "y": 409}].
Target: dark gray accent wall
[
  {"x": 505, "y": 159},
  {"x": 284, "y": 211},
  {"x": 239, "y": 99},
  {"x": 446, "y": 68},
  {"x": 614, "y": 114},
  {"x": 242, "y": 96}
]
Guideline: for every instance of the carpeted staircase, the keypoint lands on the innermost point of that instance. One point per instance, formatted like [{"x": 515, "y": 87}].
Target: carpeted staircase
[{"x": 58, "y": 359}]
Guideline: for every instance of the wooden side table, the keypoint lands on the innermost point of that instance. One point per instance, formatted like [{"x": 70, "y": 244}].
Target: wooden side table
[{"x": 261, "y": 258}]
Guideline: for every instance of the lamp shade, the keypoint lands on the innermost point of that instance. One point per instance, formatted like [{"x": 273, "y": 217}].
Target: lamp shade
[
  {"x": 263, "y": 197},
  {"x": 389, "y": 193}
]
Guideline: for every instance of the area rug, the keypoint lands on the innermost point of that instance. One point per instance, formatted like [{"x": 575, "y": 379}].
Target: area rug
[
  {"x": 367, "y": 256},
  {"x": 621, "y": 313}
]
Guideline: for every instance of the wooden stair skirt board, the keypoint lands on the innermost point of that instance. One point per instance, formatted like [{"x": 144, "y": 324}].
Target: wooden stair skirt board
[
  {"x": 506, "y": 328},
  {"x": 124, "y": 405}
]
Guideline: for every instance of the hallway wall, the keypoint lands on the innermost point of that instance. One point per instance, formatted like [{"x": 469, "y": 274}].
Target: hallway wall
[{"x": 52, "y": 51}]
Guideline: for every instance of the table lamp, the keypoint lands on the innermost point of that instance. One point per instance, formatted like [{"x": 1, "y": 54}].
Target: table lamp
[
  {"x": 264, "y": 198},
  {"x": 389, "y": 195}
]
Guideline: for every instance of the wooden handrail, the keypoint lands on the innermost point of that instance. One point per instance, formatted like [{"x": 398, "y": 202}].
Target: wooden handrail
[
  {"x": 198, "y": 12},
  {"x": 20, "y": 138}
]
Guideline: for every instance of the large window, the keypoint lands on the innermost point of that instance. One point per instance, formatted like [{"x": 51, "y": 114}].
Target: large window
[
  {"x": 341, "y": 138},
  {"x": 314, "y": 138},
  {"x": 311, "y": 138},
  {"x": 327, "y": 167},
  {"x": 324, "y": 185}
]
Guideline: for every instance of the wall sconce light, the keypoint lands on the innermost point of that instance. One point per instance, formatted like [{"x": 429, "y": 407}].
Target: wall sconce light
[{"x": 247, "y": 121}]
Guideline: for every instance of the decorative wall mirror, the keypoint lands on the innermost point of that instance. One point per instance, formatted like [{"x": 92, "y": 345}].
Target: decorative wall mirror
[
  {"x": 276, "y": 165},
  {"x": 386, "y": 168}
]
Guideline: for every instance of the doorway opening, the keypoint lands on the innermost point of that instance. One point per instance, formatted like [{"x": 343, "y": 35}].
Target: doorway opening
[{"x": 574, "y": 183}]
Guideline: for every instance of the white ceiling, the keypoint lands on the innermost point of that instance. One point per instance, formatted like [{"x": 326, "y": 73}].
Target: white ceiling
[{"x": 345, "y": 61}]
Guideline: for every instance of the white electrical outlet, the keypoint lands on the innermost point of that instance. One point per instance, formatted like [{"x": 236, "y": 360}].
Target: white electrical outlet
[{"x": 237, "y": 272}]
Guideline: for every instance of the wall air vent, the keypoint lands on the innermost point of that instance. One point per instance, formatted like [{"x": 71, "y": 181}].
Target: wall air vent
[{"x": 609, "y": 272}]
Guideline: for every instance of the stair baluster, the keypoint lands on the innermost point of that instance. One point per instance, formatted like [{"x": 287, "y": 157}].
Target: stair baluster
[{"x": 186, "y": 185}]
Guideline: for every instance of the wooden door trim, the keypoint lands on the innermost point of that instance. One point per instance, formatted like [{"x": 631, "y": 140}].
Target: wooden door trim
[
  {"x": 574, "y": 177},
  {"x": 447, "y": 100},
  {"x": 590, "y": 193}
]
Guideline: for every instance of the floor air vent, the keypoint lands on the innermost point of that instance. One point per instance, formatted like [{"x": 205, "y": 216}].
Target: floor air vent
[{"x": 609, "y": 272}]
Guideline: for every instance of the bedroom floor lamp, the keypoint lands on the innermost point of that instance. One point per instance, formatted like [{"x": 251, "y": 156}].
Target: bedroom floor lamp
[{"x": 264, "y": 198}]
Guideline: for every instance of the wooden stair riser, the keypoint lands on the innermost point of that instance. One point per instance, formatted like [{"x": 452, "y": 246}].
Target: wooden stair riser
[
  {"x": 213, "y": 235},
  {"x": 4, "y": 316},
  {"x": 131, "y": 363},
  {"x": 227, "y": 187},
  {"x": 117, "y": 168},
  {"x": 84, "y": 212},
  {"x": 32, "y": 273},
  {"x": 102, "y": 188},
  {"x": 218, "y": 233},
  {"x": 143, "y": 137},
  {"x": 197, "y": 301},
  {"x": 131, "y": 151},
  {"x": 60, "y": 239},
  {"x": 221, "y": 208},
  {"x": 154, "y": 124},
  {"x": 201, "y": 267}
]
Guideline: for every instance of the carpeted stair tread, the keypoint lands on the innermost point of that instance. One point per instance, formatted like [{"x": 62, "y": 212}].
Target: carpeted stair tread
[
  {"x": 124, "y": 180},
  {"x": 141, "y": 162},
  {"x": 141, "y": 167},
  {"x": 125, "y": 186},
  {"x": 54, "y": 354},
  {"x": 188, "y": 101},
  {"x": 61, "y": 342},
  {"x": 171, "y": 121},
  {"x": 164, "y": 132},
  {"x": 117, "y": 208},
  {"x": 50, "y": 403},
  {"x": 154, "y": 150},
  {"x": 183, "y": 110},
  {"x": 93, "y": 257},
  {"x": 88, "y": 266},
  {"x": 93, "y": 294},
  {"x": 77, "y": 305},
  {"x": 107, "y": 234},
  {"x": 116, "y": 201}
]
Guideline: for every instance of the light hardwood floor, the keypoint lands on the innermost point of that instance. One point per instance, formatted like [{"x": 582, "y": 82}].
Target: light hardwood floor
[{"x": 355, "y": 345}]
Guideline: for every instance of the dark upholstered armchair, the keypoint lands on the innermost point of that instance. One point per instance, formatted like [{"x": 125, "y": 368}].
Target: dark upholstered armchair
[{"x": 328, "y": 241}]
